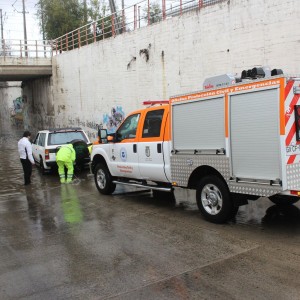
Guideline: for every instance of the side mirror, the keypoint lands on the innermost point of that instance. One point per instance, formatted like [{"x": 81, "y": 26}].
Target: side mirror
[{"x": 102, "y": 135}]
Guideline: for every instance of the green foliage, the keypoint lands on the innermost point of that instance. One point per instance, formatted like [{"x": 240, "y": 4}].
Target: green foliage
[
  {"x": 155, "y": 13},
  {"x": 95, "y": 10},
  {"x": 58, "y": 17},
  {"x": 100, "y": 11}
]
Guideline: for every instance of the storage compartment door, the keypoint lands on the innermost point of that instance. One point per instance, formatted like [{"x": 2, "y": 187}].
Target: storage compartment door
[
  {"x": 198, "y": 125},
  {"x": 254, "y": 135}
]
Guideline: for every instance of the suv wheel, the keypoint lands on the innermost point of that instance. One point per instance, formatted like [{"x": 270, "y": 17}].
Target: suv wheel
[{"x": 42, "y": 168}]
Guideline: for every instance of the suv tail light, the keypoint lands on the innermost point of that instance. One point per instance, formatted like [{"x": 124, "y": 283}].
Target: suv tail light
[{"x": 47, "y": 154}]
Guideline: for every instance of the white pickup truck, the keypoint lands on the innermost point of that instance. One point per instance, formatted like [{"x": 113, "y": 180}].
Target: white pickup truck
[{"x": 233, "y": 142}]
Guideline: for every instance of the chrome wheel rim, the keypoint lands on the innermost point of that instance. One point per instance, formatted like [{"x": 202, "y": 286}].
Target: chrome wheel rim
[
  {"x": 101, "y": 179},
  {"x": 211, "y": 199}
]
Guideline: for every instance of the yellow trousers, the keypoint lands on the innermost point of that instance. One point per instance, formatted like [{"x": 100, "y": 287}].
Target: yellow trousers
[{"x": 61, "y": 170}]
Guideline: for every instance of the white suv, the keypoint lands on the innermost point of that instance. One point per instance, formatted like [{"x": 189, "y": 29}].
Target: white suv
[{"x": 47, "y": 142}]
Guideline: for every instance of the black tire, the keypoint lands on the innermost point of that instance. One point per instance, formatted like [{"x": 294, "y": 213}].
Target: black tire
[
  {"x": 167, "y": 196},
  {"x": 82, "y": 153},
  {"x": 283, "y": 200},
  {"x": 103, "y": 180},
  {"x": 213, "y": 200},
  {"x": 42, "y": 168}
]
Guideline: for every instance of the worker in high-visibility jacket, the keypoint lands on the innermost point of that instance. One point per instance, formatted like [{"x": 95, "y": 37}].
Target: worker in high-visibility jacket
[
  {"x": 65, "y": 157},
  {"x": 90, "y": 148}
]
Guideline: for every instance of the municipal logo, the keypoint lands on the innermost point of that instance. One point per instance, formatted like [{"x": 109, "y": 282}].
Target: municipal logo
[{"x": 123, "y": 154}]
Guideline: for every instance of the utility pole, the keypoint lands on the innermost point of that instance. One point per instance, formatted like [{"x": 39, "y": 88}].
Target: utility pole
[
  {"x": 25, "y": 32},
  {"x": 2, "y": 37},
  {"x": 114, "y": 13},
  {"x": 43, "y": 28},
  {"x": 85, "y": 12},
  {"x": 123, "y": 17}
]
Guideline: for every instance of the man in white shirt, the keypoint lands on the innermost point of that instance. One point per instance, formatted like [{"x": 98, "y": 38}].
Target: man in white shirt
[{"x": 25, "y": 152}]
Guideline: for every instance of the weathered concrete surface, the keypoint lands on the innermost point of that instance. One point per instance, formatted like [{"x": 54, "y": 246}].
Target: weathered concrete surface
[
  {"x": 9, "y": 91},
  {"x": 69, "y": 242},
  {"x": 19, "y": 69}
]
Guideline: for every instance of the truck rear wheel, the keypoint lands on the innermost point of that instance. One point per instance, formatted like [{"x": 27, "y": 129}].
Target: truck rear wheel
[
  {"x": 103, "y": 180},
  {"x": 213, "y": 200},
  {"x": 283, "y": 200}
]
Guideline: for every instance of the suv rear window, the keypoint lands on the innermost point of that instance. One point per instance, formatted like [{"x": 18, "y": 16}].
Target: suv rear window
[{"x": 59, "y": 138}]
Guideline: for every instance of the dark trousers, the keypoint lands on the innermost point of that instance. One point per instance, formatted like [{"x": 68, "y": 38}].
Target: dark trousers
[{"x": 27, "y": 168}]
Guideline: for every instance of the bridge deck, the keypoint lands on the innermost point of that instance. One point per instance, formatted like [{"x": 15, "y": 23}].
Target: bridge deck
[{"x": 19, "y": 69}]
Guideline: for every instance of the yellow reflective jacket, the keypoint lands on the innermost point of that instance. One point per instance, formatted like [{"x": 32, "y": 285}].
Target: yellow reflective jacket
[
  {"x": 90, "y": 149},
  {"x": 66, "y": 153}
]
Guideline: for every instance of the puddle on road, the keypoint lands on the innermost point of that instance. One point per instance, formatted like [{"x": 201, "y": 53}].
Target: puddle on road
[{"x": 46, "y": 194}]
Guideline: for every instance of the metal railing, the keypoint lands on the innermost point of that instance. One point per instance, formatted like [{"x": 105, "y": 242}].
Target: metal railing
[
  {"x": 24, "y": 49},
  {"x": 139, "y": 15}
]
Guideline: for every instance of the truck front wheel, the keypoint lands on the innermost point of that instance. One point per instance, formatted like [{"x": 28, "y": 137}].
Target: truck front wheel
[
  {"x": 103, "y": 180},
  {"x": 213, "y": 200}
]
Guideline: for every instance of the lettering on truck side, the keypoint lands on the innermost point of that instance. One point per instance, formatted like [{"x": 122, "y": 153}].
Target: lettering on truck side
[{"x": 292, "y": 150}]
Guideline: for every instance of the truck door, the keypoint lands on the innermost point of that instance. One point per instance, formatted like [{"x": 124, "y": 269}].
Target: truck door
[
  {"x": 35, "y": 148},
  {"x": 123, "y": 153},
  {"x": 150, "y": 146}
]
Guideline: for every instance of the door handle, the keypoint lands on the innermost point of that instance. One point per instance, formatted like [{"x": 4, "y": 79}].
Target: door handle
[
  {"x": 134, "y": 148},
  {"x": 158, "y": 148}
]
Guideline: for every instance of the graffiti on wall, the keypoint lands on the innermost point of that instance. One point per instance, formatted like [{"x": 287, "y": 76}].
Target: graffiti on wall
[
  {"x": 113, "y": 121},
  {"x": 17, "y": 111},
  {"x": 18, "y": 105},
  {"x": 77, "y": 122},
  {"x": 110, "y": 122}
]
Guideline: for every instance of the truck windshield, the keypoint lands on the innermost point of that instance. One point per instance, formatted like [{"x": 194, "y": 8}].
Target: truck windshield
[
  {"x": 59, "y": 138},
  {"x": 128, "y": 129}
]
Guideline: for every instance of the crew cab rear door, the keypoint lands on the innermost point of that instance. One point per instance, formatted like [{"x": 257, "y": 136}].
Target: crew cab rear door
[{"x": 151, "y": 144}]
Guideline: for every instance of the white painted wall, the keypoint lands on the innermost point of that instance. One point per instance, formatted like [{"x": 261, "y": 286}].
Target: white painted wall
[{"x": 183, "y": 51}]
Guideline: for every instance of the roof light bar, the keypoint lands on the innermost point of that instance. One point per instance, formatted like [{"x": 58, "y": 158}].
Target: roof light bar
[{"x": 155, "y": 102}]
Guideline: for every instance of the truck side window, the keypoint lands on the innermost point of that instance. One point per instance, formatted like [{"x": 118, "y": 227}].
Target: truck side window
[
  {"x": 128, "y": 129},
  {"x": 152, "y": 125},
  {"x": 42, "y": 139}
]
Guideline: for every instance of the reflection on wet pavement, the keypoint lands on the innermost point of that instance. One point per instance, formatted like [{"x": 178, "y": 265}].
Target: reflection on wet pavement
[{"x": 69, "y": 242}]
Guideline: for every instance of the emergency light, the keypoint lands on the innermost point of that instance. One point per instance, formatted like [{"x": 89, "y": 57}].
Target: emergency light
[{"x": 275, "y": 72}]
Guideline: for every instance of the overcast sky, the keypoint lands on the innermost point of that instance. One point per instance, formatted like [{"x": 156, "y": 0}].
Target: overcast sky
[{"x": 13, "y": 18}]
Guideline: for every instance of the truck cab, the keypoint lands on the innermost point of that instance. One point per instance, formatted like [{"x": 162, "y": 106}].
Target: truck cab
[{"x": 137, "y": 154}]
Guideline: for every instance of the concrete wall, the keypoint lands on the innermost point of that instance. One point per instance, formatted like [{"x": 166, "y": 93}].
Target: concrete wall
[
  {"x": 100, "y": 83},
  {"x": 9, "y": 91},
  {"x": 41, "y": 104}
]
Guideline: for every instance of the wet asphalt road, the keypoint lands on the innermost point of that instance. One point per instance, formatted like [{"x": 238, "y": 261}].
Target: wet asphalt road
[{"x": 69, "y": 242}]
